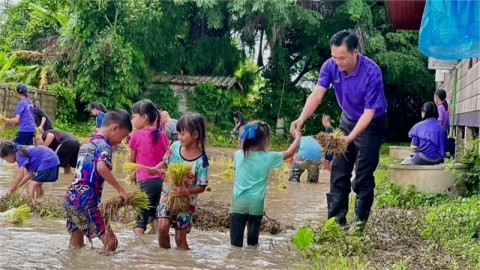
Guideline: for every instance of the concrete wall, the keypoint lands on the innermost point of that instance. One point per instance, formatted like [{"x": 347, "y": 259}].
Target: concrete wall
[
  {"x": 465, "y": 105},
  {"x": 9, "y": 100}
]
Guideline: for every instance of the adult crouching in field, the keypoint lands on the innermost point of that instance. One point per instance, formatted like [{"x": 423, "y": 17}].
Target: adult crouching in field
[
  {"x": 428, "y": 139},
  {"x": 308, "y": 157},
  {"x": 42, "y": 121},
  {"x": 24, "y": 117},
  {"x": 358, "y": 86},
  {"x": 64, "y": 144}
]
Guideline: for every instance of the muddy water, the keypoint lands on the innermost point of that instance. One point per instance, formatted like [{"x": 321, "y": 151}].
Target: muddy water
[{"x": 42, "y": 243}]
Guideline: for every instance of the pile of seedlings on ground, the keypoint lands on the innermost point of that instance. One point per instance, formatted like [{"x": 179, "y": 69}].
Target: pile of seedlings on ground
[{"x": 211, "y": 215}]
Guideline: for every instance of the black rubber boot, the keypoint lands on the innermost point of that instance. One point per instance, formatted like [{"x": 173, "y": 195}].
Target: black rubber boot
[
  {"x": 337, "y": 204},
  {"x": 362, "y": 212}
]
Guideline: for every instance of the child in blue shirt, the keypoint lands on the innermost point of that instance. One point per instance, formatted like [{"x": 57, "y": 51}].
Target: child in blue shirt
[
  {"x": 252, "y": 166},
  {"x": 98, "y": 110},
  {"x": 94, "y": 167}
]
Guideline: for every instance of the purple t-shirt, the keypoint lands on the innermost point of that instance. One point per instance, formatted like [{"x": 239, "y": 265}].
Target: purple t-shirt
[
  {"x": 26, "y": 111},
  {"x": 362, "y": 89},
  {"x": 40, "y": 158},
  {"x": 443, "y": 117},
  {"x": 429, "y": 138}
]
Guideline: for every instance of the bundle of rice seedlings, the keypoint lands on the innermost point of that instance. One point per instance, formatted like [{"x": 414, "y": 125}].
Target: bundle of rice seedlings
[
  {"x": 177, "y": 176},
  {"x": 227, "y": 173},
  {"x": 129, "y": 167},
  {"x": 2, "y": 123},
  {"x": 18, "y": 215},
  {"x": 282, "y": 186},
  {"x": 333, "y": 143},
  {"x": 110, "y": 207},
  {"x": 38, "y": 131}
]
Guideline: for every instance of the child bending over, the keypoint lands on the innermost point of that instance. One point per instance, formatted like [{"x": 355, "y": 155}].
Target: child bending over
[
  {"x": 94, "y": 166},
  {"x": 252, "y": 166},
  {"x": 38, "y": 163},
  {"x": 308, "y": 158}
]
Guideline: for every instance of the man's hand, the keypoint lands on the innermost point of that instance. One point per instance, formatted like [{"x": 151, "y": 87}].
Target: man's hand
[
  {"x": 348, "y": 138},
  {"x": 296, "y": 126},
  {"x": 327, "y": 164}
]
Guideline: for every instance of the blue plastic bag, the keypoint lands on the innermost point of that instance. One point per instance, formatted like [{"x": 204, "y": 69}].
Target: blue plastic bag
[{"x": 450, "y": 29}]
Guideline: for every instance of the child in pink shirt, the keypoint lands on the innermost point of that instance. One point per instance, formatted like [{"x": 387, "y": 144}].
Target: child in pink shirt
[{"x": 148, "y": 144}]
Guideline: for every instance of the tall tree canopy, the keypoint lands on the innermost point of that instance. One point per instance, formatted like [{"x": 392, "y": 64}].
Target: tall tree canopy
[{"x": 106, "y": 50}]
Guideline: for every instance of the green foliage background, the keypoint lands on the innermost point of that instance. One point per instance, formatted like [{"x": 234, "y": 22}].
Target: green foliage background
[{"x": 106, "y": 51}]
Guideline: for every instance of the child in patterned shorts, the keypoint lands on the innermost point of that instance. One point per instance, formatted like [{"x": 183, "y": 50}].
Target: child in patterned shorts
[{"x": 308, "y": 158}]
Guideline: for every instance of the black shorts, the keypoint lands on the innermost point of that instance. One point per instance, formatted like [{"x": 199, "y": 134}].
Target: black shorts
[
  {"x": 67, "y": 153},
  {"x": 48, "y": 175},
  {"x": 24, "y": 138},
  {"x": 153, "y": 188}
]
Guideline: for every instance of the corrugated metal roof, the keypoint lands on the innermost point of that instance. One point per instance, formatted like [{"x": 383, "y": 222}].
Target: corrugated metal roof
[{"x": 221, "y": 82}]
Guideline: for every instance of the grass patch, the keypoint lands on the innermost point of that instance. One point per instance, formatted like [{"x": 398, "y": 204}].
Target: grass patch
[{"x": 456, "y": 226}]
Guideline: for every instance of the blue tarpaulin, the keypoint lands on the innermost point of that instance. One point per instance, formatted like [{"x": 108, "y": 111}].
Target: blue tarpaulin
[{"x": 450, "y": 29}]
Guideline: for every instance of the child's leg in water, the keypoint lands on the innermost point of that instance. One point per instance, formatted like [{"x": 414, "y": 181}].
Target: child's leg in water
[
  {"x": 163, "y": 228},
  {"x": 181, "y": 239},
  {"x": 237, "y": 228},
  {"x": 35, "y": 189},
  {"x": 76, "y": 239},
  {"x": 39, "y": 192},
  {"x": 110, "y": 241},
  {"x": 253, "y": 229}
]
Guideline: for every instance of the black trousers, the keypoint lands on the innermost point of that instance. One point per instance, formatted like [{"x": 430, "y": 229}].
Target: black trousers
[
  {"x": 237, "y": 229},
  {"x": 363, "y": 153}
]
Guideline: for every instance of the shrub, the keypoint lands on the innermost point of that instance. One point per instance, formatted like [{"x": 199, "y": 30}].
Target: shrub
[
  {"x": 163, "y": 95},
  {"x": 213, "y": 103},
  {"x": 66, "y": 108}
]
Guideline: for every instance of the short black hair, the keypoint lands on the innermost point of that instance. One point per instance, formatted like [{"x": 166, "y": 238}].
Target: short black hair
[
  {"x": 118, "y": 116},
  {"x": 22, "y": 89},
  {"x": 430, "y": 110},
  {"x": 347, "y": 37},
  {"x": 235, "y": 109}
]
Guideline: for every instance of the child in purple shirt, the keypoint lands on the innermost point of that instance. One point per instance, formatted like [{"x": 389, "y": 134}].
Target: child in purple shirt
[
  {"x": 24, "y": 117},
  {"x": 442, "y": 106},
  {"x": 428, "y": 139},
  {"x": 40, "y": 163}
]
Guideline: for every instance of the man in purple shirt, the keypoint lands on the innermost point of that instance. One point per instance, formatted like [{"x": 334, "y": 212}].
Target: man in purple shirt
[{"x": 358, "y": 86}]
